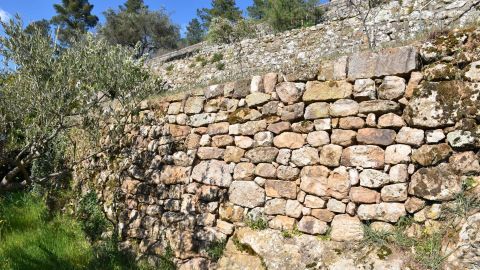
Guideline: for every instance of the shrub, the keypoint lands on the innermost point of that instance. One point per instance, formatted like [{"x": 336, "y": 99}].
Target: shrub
[
  {"x": 217, "y": 57},
  {"x": 224, "y": 31},
  {"x": 91, "y": 216},
  {"x": 258, "y": 223},
  {"x": 215, "y": 250}
]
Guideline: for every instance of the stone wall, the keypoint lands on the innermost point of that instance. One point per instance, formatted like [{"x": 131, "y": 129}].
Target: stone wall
[
  {"x": 373, "y": 137},
  {"x": 301, "y": 50}
]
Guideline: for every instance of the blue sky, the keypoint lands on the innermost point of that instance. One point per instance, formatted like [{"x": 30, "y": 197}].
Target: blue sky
[{"x": 181, "y": 11}]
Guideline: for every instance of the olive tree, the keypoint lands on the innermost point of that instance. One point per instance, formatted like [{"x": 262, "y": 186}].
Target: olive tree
[{"x": 47, "y": 92}]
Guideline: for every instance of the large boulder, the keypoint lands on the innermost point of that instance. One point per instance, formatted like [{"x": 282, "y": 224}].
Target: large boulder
[
  {"x": 438, "y": 104},
  {"x": 439, "y": 183}
]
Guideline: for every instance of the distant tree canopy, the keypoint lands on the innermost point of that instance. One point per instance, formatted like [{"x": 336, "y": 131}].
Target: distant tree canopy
[
  {"x": 195, "y": 32},
  {"x": 225, "y": 9},
  {"x": 135, "y": 23},
  {"x": 286, "y": 14},
  {"x": 43, "y": 26},
  {"x": 73, "y": 17}
]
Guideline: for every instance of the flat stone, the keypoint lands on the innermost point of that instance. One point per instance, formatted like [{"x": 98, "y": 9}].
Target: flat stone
[
  {"x": 392, "y": 88},
  {"x": 364, "y": 89},
  {"x": 366, "y": 156},
  {"x": 410, "y": 136},
  {"x": 275, "y": 206},
  {"x": 305, "y": 156},
  {"x": 323, "y": 91},
  {"x": 287, "y": 172},
  {"x": 266, "y": 170},
  {"x": 218, "y": 128},
  {"x": 289, "y": 93},
  {"x": 379, "y": 226},
  {"x": 467, "y": 163},
  {"x": 243, "y": 171},
  {"x": 323, "y": 214},
  {"x": 212, "y": 172},
  {"x": 414, "y": 204},
  {"x": 390, "y": 212},
  {"x": 364, "y": 195},
  {"x": 314, "y": 202},
  {"x": 269, "y": 82},
  {"x": 398, "y": 153},
  {"x": 346, "y": 228},
  {"x": 256, "y": 99},
  {"x": 373, "y": 178},
  {"x": 435, "y": 136},
  {"x": 392, "y": 61},
  {"x": 351, "y": 122},
  {"x": 461, "y": 139},
  {"x": 279, "y": 127},
  {"x": 378, "y": 106},
  {"x": 438, "y": 183},
  {"x": 225, "y": 227},
  {"x": 213, "y": 91},
  {"x": 398, "y": 173},
  {"x": 222, "y": 140},
  {"x": 312, "y": 225},
  {"x": 256, "y": 84},
  {"x": 323, "y": 124},
  {"x": 194, "y": 105},
  {"x": 281, "y": 189},
  {"x": 174, "y": 175},
  {"x": 330, "y": 155},
  {"x": 394, "y": 193},
  {"x": 270, "y": 108},
  {"x": 243, "y": 142},
  {"x": 262, "y": 154},
  {"x": 428, "y": 155},
  {"x": 318, "y": 138},
  {"x": 343, "y": 137},
  {"x": 390, "y": 120},
  {"x": 263, "y": 138},
  {"x": 333, "y": 69},
  {"x": 293, "y": 208},
  {"x": 289, "y": 140},
  {"x": 241, "y": 88},
  {"x": 292, "y": 112},
  {"x": 246, "y": 193},
  {"x": 252, "y": 127},
  {"x": 336, "y": 206},
  {"x": 376, "y": 136},
  {"x": 344, "y": 107},
  {"x": 314, "y": 180},
  {"x": 233, "y": 154},
  {"x": 317, "y": 110},
  {"x": 338, "y": 183},
  {"x": 210, "y": 153}
]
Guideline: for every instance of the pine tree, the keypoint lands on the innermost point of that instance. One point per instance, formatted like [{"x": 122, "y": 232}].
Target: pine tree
[
  {"x": 257, "y": 11},
  {"x": 226, "y": 9},
  {"x": 195, "y": 32},
  {"x": 134, "y": 6},
  {"x": 74, "y": 17},
  {"x": 288, "y": 14}
]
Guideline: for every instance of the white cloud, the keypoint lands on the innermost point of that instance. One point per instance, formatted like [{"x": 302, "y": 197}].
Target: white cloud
[{"x": 4, "y": 16}]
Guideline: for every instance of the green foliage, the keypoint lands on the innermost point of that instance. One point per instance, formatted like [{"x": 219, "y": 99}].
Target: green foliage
[
  {"x": 288, "y": 14},
  {"x": 170, "y": 67},
  {"x": 139, "y": 28},
  {"x": 217, "y": 57},
  {"x": 215, "y": 250},
  {"x": 195, "y": 32},
  {"x": 134, "y": 6},
  {"x": 42, "y": 25},
  {"x": 33, "y": 238},
  {"x": 224, "y": 31},
  {"x": 258, "y": 223},
  {"x": 220, "y": 66},
  {"x": 258, "y": 9},
  {"x": 91, "y": 216},
  {"x": 75, "y": 83},
  {"x": 166, "y": 260},
  {"x": 465, "y": 202},
  {"x": 225, "y": 9},
  {"x": 428, "y": 251},
  {"x": 74, "y": 17},
  {"x": 291, "y": 233},
  {"x": 375, "y": 237}
]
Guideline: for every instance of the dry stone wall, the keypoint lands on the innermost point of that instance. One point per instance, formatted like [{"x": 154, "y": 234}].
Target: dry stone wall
[
  {"x": 376, "y": 136},
  {"x": 297, "y": 53}
]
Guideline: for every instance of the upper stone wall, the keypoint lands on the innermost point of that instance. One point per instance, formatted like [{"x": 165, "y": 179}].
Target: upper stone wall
[
  {"x": 374, "y": 137},
  {"x": 299, "y": 52}
]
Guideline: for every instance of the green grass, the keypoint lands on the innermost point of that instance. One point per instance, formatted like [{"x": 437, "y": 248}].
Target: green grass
[
  {"x": 34, "y": 239},
  {"x": 216, "y": 249},
  {"x": 258, "y": 224}
]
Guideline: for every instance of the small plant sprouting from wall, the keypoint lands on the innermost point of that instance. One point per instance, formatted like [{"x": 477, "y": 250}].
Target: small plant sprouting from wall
[
  {"x": 217, "y": 57},
  {"x": 170, "y": 68},
  {"x": 257, "y": 223},
  {"x": 200, "y": 59},
  {"x": 216, "y": 249},
  {"x": 220, "y": 66}
]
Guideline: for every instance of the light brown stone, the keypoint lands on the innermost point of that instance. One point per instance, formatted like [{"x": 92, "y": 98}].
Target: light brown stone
[
  {"x": 262, "y": 154},
  {"x": 438, "y": 183},
  {"x": 314, "y": 180},
  {"x": 364, "y": 195},
  {"x": 343, "y": 137},
  {"x": 282, "y": 223},
  {"x": 318, "y": 138},
  {"x": 346, "y": 228},
  {"x": 366, "y": 156},
  {"x": 287, "y": 172},
  {"x": 317, "y": 110},
  {"x": 281, "y": 189},
  {"x": 275, "y": 206},
  {"x": 312, "y": 225},
  {"x": 212, "y": 172},
  {"x": 218, "y": 128},
  {"x": 392, "y": 88},
  {"x": 289, "y": 93},
  {"x": 266, "y": 170},
  {"x": 269, "y": 82},
  {"x": 289, "y": 140},
  {"x": 390, "y": 120},
  {"x": 246, "y": 194},
  {"x": 410, "y": 136},
  {"x": 344, "y": 107},
  {"x": 428, "y": 155},
  {"x": 332, "y": 90},
  {"x": 222, "y": 140},
  {"x": 210, "y": 153},
  {"x": 376, "y": 136},
  {"x": 243, "y": 171},
  {"x": 243, "y": 142},
  {"x": 390, "y": 212},
  {"x": 233, "y": 154},
  {"x": 330, "y": 155},
  {"x": 364, "y": 89},
  {"x": 323, "y": 214},
  {"x": 305, "y": 156},
  {"x": 351, "y": 122},
  {"x": 394, "y": 193},
  {"x": 279, "y": 127},
  {"x": 378, "y": 106},
  {"x": 292, "y": 112},
  {"x": 397, "y": 153}
]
